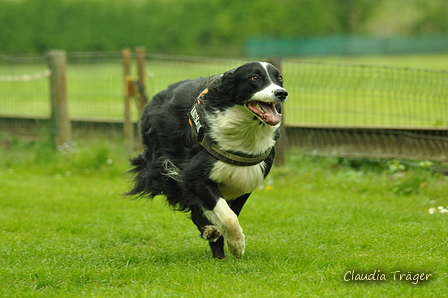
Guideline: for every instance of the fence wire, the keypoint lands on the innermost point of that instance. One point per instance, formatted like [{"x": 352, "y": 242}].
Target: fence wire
[
  {"x": 365, "y": 96},
  {"x": 24, "y": 86},
  {"x": 335, "y": 109}
]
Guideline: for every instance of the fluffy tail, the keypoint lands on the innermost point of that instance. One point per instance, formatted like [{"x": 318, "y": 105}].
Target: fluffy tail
[
  {"x": 158, "y": 177},
  {"x": 146, "y": 177}
]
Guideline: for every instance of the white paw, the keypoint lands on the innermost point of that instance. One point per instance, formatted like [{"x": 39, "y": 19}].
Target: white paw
[
  {"x": 228, "y": 224},
  {"x": 211, "y": 233},
  {"x": 236, "y": 243}
]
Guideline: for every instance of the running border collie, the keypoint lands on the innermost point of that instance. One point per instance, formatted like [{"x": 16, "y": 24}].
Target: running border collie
[{"x": 208, "y": 143}]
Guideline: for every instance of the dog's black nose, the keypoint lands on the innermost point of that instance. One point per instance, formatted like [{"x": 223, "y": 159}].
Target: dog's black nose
[{"x": 281, "y": 94}]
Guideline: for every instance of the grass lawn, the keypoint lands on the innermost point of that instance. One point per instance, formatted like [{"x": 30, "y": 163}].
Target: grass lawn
[
  {"x": 324, "y": 93},
  {"x": 65, "y": 231}
]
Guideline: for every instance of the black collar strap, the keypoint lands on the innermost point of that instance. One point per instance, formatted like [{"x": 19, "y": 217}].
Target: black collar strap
[
  {"x": 195, "y": 120},
  {"x": 237, "y": 159}
]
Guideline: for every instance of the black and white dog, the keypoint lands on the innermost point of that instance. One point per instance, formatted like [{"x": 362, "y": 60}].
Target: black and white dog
[{"x": 209, "y": 142}]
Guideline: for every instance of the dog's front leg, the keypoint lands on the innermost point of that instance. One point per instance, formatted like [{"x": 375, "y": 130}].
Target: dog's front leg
[
  {"x": 228, "y": 224},
  {"x": 218, "y": 212}
]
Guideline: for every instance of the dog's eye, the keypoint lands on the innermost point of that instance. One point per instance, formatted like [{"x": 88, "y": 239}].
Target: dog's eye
[
  {"x": 280, "y": 78},
  {"x": 254, "y": 78}
]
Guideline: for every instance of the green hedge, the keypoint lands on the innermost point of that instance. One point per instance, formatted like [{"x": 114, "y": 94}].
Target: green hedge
[
  {"x": 204, "y": 27},
  {"x": 191, "y": 27}
]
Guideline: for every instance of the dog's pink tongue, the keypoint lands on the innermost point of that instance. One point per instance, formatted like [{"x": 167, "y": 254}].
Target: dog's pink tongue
[{"x": 271, "y": 116}]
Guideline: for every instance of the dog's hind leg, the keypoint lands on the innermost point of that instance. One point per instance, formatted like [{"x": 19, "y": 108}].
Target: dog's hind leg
[
  {"x": 217, "y": 245},
  {"x": 218, "y": 248},
  {"x": 219, "y": 213},
  {"x": 209, "y": 232},
  {"x": 228, "y": 224},
  {"x": 237, "y": 204}
]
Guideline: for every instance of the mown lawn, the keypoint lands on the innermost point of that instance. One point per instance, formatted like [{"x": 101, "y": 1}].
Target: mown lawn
[{"x": 65, "y": 230}]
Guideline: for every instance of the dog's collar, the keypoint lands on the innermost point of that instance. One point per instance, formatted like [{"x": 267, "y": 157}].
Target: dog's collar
[
  {"x": 233, "y": 158},
  {"x": 196, "y": 118},
  {"x": 196, "y": 122}
]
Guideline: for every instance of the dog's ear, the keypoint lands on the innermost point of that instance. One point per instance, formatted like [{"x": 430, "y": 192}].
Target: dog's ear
[
  {"x": 226, "y": 84},
  {"x": 213, "y": 82},
  {"x": 229, "y": 76}
]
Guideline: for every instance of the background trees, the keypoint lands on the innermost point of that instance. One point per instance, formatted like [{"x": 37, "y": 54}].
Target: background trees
[{"x": 199, "y": 27}]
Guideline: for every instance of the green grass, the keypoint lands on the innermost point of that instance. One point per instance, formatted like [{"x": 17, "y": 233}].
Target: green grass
[
  {"x": 65, "y": 230},
  {"x": 320, "y": 94}
]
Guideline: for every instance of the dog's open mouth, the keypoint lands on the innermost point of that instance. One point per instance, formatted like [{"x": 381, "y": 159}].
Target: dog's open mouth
[{"x": 265, "y": 111}]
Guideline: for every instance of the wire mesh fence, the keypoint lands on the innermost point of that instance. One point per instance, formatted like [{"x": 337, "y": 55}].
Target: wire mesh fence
[
  {"x": 322, "y": 96},
  {"x": 94, "y": 82},
  {"x": 95, "y": 86},
  {"x": 24, "y": 86},
  {"x": 365, "y": 96}
]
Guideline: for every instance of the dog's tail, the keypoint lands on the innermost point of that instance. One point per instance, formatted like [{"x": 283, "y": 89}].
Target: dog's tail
[
  {"x": 159, "y": 177},
  {"x": 146, "y": 177}
]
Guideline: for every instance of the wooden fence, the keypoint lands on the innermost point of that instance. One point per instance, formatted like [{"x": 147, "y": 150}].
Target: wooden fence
[
  {"x": 60, "y": 122},
  {"x": 313, "y": 138}
]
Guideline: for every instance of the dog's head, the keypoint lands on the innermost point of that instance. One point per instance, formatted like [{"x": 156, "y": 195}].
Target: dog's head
[{"x": 256, "y": 85}]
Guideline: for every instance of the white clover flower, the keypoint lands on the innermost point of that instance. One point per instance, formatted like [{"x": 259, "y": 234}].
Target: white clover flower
[{"x": 439, "y": 209}]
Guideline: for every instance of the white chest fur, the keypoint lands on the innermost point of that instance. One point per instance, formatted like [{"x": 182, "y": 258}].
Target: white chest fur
[
  {"x": 234, "y": 181},
  {"x": 235, "y": 130}
]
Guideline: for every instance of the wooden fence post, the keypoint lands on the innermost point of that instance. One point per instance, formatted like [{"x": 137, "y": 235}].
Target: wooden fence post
[
  {"x": 61, "y": 130},
  {"x": 128, "y": 128},
  {"x": 141, "y": 51},
  {"x": 280, "y": 146}
]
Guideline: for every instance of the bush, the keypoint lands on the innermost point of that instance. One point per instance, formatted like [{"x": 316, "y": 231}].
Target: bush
[{"x": 198, "y": 27}]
